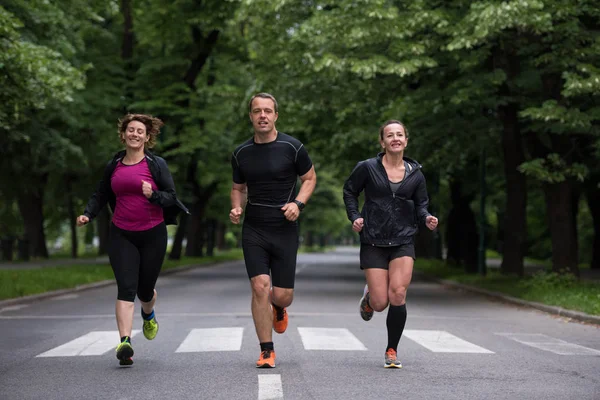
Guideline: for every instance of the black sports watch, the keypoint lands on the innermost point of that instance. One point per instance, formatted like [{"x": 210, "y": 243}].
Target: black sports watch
[{"x": 299, "y": 204}]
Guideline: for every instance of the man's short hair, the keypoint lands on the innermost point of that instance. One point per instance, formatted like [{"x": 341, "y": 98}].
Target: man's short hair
[{"x": 263, "y": 96}]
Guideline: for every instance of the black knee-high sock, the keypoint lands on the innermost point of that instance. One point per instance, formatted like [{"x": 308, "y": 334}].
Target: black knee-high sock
[{"x": 396, "y": 319}]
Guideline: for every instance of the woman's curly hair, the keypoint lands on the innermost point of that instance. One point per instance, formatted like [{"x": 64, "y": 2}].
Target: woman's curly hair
[{"x": 152, "y": 124}]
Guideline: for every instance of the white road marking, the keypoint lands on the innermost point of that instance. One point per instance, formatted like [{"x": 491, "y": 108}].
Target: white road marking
[
  {"x": 65, "y": 297},
  {"x": 443, "y": 342},
  {"x": 548, "y": 343},
  {"x": 91, "y": 344},
  {"x": 329, "y": 339},
  {"x": 301, "y": 267},
  {"x": 14, "y": 308},
  {"x": 212, "y": 339},
  {"x": 269, "y": 387}
]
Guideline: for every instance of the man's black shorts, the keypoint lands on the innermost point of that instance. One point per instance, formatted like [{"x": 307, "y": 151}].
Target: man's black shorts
[
  {"x": 380, "y": 257},
  {"x": 269, "y": 249}
]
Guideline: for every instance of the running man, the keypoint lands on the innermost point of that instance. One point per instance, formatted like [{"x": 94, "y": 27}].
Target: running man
[{"x": 265, "y": 172}]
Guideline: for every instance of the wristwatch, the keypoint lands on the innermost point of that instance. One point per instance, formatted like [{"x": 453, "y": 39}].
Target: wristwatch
[{"x": 299, "y": 204}]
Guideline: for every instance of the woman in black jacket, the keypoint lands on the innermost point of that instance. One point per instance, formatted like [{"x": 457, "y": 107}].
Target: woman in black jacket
[
  {"x": 395, "y": 203},
  {"x": 141, "y": 193}
]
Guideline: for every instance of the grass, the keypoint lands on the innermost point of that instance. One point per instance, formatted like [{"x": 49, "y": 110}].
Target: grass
[
  {"x": 24, "y": 282},
  {"x": 544, "y": 287}
]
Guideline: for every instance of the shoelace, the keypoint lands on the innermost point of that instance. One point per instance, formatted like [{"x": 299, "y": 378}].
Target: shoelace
[
  {"x": 280, "y": 314},
  {"x": 266, "y": 354}
]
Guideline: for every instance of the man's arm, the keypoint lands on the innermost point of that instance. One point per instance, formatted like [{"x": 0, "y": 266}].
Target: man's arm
[
  {"x": 239, "y": 192},
  {"x": 309, "y": 182}
]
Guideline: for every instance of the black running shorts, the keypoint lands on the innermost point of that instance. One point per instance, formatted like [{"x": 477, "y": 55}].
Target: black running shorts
[
  {"x": 271, "y": 249},
  {"x": 380, "y": 257}
]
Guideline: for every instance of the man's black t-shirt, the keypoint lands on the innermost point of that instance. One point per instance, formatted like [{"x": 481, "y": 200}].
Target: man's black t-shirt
[{"x": 270, "y": 171}]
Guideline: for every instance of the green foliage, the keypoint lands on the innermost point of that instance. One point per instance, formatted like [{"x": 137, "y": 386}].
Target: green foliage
[
  {"x": 553, "y": 169},
  {"x": 32, "y": 75},
  {"x": 338, "y": 69}
]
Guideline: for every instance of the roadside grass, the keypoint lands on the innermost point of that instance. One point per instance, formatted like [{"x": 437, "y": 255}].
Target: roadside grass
[
  {"x": 543, "y": 287},
  {"x": 25, "y": 282},
  {"x": 489, "y": 253}
]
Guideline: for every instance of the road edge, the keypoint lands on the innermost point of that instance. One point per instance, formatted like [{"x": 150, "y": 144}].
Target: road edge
[
  {"x": 88, "y": 286},
  {"x": 554, "y": 310}
]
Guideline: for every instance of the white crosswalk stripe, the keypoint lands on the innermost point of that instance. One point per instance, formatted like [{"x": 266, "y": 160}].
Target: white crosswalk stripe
[
  {"x": 212, "y": 339},
  {"x": 269, "y": 387},
  {"x": 97, "y": 343},
  {"x": 548, "y": 343},
  {"x": 91, "y": 344},
  {"x": 329, "y": 339},
  {"x": 443, "y": 342}
]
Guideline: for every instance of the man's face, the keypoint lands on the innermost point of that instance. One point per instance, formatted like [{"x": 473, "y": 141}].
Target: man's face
[
  {"x": 394, "y": 138},
  {"x": 263, "y": 115}
]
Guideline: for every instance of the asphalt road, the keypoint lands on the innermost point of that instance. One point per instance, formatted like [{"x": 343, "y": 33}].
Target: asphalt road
[{"x": 456, "y": 345}]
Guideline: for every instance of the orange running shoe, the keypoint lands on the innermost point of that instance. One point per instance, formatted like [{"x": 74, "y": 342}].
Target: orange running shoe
[
  {"x": 391, "y": 360},
  {"x": 266, "y": 359},
  {"x": 280, "y": 320}
]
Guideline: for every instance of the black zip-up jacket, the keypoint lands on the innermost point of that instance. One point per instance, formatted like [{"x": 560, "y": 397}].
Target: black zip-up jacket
[
  {"x": 390, "y": 219},
  {"x": 164, "y": 197}
]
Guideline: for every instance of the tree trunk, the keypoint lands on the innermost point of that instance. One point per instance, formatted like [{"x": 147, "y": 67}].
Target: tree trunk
[
  {"x": 179, "y": 236},
  {"x": 559, "y": 197},
  {"x": 505, "y": 58},
  {"x": 425, "y": 243},
  {"x": 8, "y": 244},
  {"x": 72, "y": 219},
  {"x": 128, "y": 38},
  {"x": 194, "y": 231},
  {"x": 210, "y": 237},
  {"x": 221, "y": 231},
  {"x": 308, "y": 241},
  {"x": 103, "y": 224},
  {"x": 461, "y": 230},
  {"x": 593, "y": 200},
  {"x": 515, "y": 221},
  {"x": 428, "y": 244},
  {"x": 31, "y": 209}
]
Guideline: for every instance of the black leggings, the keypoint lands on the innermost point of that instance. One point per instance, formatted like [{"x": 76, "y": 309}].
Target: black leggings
[{"x": 136, "y": 259}]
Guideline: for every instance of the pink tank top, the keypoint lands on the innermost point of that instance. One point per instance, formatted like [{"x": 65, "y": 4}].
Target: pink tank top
[{"x": 133, "y": 211}]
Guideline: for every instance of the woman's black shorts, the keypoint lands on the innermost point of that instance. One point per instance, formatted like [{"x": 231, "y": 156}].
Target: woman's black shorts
[{"x": 379, "y": 257}]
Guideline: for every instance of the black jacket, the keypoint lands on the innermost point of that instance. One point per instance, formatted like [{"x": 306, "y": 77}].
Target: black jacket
[
  {"x": 164, "y": 197},
  {"x": 390, "y": 219}
]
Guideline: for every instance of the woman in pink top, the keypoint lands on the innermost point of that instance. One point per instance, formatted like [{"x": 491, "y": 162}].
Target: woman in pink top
[{"x": 140, "y": 190}]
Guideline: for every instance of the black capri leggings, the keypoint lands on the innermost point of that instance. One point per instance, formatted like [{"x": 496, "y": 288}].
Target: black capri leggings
[{"x": 136, "y": 258}]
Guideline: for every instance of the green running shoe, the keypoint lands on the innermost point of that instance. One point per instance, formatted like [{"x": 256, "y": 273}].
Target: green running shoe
[
  {"x": 150, "y": 328},
  {"x": 124, "y": 353}
]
